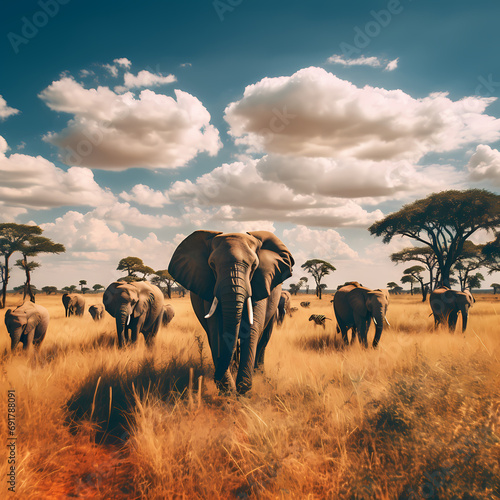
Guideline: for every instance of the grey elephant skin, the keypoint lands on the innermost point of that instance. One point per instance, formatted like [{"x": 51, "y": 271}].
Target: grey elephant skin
[
  {"x": 97, "y": 311},
  {"x": 235, "y": 283},
  {"x": 355, "y": 306},
  {"x": 27, "y": 324},
  {"x": 74, "y": 303},
  {"x": 446, "y": 304},
  {"x": 168, "y": 314},
  {"x": 284, "y": 307},
  {"x": 136, "y": 306}
]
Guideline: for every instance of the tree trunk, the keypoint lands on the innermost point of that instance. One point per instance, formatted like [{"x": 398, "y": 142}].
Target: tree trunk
[{"x": 5, "y": 282}]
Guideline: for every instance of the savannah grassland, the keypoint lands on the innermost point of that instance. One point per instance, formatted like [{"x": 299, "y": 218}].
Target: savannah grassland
[{"x": 417, "y": 418}]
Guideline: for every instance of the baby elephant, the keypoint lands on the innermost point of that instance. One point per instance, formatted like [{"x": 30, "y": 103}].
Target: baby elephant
[
  {"x": 27, "y": 324},
  {"x": 97, "y": 312},
  {"x": 319, "y": 319},
  {"x": 168, "y": 314}
]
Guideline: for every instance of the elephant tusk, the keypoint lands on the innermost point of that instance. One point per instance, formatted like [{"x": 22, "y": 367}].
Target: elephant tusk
[
  {"x": 250, "y": 310},
  {"x": 128, "y": 320},
  {"x": 212, "y": 308},
  {"x": 388, "y": 324},
  {"x": 375, "y": 321}
]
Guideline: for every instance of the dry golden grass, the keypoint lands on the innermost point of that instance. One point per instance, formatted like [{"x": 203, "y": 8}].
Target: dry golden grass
[{"x": 417, "y": 418}]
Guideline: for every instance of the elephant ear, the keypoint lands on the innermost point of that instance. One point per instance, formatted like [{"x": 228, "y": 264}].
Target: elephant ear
[
  {"x": 146, "y": 302},
  {"x": 189, "y": 264},
  {"x": 275, "y": 264}
]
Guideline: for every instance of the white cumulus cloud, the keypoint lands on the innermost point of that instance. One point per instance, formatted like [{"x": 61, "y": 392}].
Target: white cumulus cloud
[
  {"x": 6, "y": 111},
  {"x": 359, "y": 61},
  {"x": 314, "y": 113},
  {"x": 118, "y": 131},
  {"x": 33, "y": 181},
  {"x": 144, "y": 195},
  {"x": 143, "y": 79},
  {"x": 250, "y": 196},
  {"x": 484, "y": 165}
]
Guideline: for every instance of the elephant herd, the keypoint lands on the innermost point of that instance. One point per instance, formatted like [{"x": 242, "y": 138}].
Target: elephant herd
[
  {"x": 235, "y": 280},
  {"x": 142, "y": 301}
]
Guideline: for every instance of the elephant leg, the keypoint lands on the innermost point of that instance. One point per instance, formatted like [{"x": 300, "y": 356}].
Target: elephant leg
[
  {"x": 136, "y": 326},
  {"x": 29, "y": 335},
  {"x": 354, "y": 333},
  {"x": 361, "y": 327},
  {"x": 150, "y": 335},
  {"x": 342, "y": 327},
  {"x": 40, "y": 332},
  {"x": 261, "y": 346},
  {"x": 452, "y": 321}
]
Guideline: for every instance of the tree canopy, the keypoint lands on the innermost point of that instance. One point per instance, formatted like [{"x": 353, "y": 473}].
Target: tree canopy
[
  {"x": 130, "y": 264},
  {"x": 443, "y": 221}
]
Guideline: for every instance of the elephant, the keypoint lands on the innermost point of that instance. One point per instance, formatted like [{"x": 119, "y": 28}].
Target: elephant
[
  {"x": 74, "y": 303},
  {"x": 446, "y": 304},
  {"x": 168, "y": 314},
  {"x": 235, "y": 283},
  {"x": 27, "y": 324},
  {"x": 284, "y": 307},
  {"x": 97, "y": 311},
  {"x": 136, "y": 306},
  {"x": 355, "y": 306}
]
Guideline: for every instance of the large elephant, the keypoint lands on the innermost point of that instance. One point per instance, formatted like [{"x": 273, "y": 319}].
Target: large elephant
[
  {"x": 355, "y": 306},
  {"x": 136, "y": 306},
  {"x": 74, "y": 303},
  {"x": 235, "y": 283},
  {"x": 446, "y": 304},
  {"x": 284, "y": 306},
  {"x": 97, "y": 311},
  {"x": 27, "y": 324}
]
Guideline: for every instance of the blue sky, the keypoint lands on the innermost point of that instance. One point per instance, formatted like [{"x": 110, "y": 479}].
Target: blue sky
[{"x": 309, "y": 119}]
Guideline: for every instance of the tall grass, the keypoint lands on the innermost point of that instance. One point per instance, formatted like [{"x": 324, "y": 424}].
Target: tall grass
[{"x": 417, "y": 418}]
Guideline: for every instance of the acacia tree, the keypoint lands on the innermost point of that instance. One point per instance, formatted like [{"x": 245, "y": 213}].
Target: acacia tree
[
  {"x": 131, "y": 265},
  {"x": 471, "y": 259},
  {"x": 318, "y": 269},
  {"x": 492, "y": 253},
  {"x": 97, "y": 287},
  {"x": 32, "y": 247},
  {"x": 305, "y": 280},
  {"x": 474, "y": 280},
  {"x": 496, "y": 287},
  {"x": 409, "y": 279},
  {"x": 424, "y": 255},
  {"x": 414, "y": 272},
  {"x": 13, "y": 238},
  {"x": 444, "y": 221},
  {"x": 163, "y": 277}
]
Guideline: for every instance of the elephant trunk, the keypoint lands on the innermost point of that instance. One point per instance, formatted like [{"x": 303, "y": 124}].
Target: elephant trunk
[
  {"x": 122, "y": 320},
  {"x": 465, "y": 315},
  {"x": 378, "y": 319},
  {"x": 232, "y": 292},
  {"x": 15, "y": 338}
]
